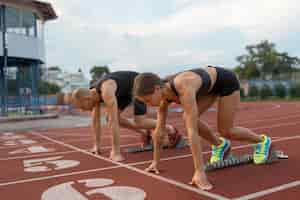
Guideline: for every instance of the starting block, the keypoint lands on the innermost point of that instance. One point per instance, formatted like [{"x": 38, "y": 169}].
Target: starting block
[
  {"x": 233, "y": 161},
  {"x": 181, "y": 144}
]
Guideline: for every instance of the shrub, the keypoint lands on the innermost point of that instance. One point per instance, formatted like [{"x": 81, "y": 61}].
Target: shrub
[
  {"x": 294, "y": 90},
  {"x": 253, "y": 91},
  {"x": 265, "y": 92},
  {"x": 242, "y": 93},
  {"x": 280, "y": 90}
]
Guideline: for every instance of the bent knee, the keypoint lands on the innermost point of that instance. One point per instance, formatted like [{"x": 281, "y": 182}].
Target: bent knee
[
  {"x": 225, "y": 132},
  {"x": 138, "y": 122}
]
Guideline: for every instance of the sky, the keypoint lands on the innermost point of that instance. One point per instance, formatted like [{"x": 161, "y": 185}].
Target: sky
[{"x": 166, "y": 36}]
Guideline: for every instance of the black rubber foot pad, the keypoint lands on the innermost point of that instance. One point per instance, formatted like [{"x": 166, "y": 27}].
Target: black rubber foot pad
[
  {"x": 181, "y": 144},
  {"x": 233, "y": 161}
]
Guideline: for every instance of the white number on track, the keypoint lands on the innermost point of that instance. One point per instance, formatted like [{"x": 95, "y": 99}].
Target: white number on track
[
  {"x": 48, "y": 164},
  {"x": 101, "y": 187},
  {"x": 31, "y": 150}
]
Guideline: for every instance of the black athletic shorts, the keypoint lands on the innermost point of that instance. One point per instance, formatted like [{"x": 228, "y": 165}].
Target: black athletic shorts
[
  {"x": 226, "y": 82},
  {"x": 139, "y": 107}
]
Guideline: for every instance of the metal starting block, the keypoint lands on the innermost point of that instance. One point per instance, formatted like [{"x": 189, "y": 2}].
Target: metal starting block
[
  {"x": 232, "y": 161},
  {"x": 181, "y": 144}
]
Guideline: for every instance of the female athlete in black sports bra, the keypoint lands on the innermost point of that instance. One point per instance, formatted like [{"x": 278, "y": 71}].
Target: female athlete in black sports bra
[{"x": 196, "y": 90}]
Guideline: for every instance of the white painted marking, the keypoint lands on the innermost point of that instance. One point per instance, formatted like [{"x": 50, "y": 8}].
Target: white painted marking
[
  {"x": 32, "y": 150},
  {"x": 97, "y": 182},
  {"x": 12, "y": 137},
  {"x": 269, "y": 120},
  {"x": 62, "y": 192},
  {"x": 45, "y": 143},
  {"x": 8, "y": 134},
  {"x": 28, "y": 142},
  {"x": 67, "y": 191},
  {"x": 120, "y": 193},
  {"x": 269, "y": 191},
  {"x": 10, "y": 143},
  {"x": 273, "y": 126},
  {"x": 167, "y": 180},
  {"x": 48, "y": 164},
  {"x": 57, "y": 153},
  {"x": 18, "y": 142},
  {"x": 58, "y": 176},
  {"x": 37, "y": 155},
  {"x": 114, "y": 167}
]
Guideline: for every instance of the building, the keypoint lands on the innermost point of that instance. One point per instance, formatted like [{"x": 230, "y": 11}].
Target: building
[
  {"x": 65, "y": 80},
  {"x": 75, "y": 80},
  {"x": 54, "y": 75},
  {"x": 22, "y": 45}
]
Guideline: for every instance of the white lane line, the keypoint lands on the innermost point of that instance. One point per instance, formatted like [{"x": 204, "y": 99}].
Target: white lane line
[
  {"x": 270, "y": 191},
  {"x": 62, "y": 152},
  {"x": 170, "y": 181},
  {"x": 57, "y": 176},
  {"x": 47, "y": 143},
  {"x": 37, "y": 155},
  {"x": 63, "y": 133},
  {"x": 272, "y": 126},
  {"x": 207, "y": 152},
  {"x": 268, "y": 120},
  {"x": 134, "y": 164}
]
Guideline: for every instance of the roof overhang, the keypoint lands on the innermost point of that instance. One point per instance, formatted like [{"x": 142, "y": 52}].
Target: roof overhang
[{"x": 45, "y": 8}]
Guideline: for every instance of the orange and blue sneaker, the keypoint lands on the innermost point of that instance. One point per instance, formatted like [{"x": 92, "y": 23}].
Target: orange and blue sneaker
[
  {"x": 262, "y": 150},
  {"x": 219, "y": 152}
]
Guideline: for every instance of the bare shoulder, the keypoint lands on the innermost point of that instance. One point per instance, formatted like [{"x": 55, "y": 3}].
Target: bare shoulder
[
  {"x": 187, "y": 82},
  {"x": 108, "y": 88}
]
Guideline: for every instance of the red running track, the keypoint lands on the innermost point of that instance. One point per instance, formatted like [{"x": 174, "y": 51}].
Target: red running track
[{"x": 54, "y": 164}]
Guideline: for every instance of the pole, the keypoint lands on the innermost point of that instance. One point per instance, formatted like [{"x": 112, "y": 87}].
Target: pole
[{"x": 4, "y": 66}]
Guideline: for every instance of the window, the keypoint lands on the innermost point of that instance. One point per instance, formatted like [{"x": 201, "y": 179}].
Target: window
[
  {"x": 12, "y": 20},
  {"x": 39, "y": 27},
  {"x": 28, "y": 23},
  {"x": 12, "y": 73},
  {"x": 20, "y": 21}
]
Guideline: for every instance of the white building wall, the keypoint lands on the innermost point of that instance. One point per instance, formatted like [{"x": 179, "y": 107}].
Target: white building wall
[
  {"x": 21, "y": 46},
  {"x": 67, "y": 81}
]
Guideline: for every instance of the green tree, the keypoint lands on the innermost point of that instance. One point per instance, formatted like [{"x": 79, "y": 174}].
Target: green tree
[
  {"x": 242, "y": 93},
  {"x": 48, "y": 88},
  {"x": 97, "y": 72},
  {"x": 286, "y": 64},
  {"x": 239, "y": 71},
  {"x": 294, "y": 90},
  {"x": 263, "y": 59},
  {"x": 251, "y": 71}
]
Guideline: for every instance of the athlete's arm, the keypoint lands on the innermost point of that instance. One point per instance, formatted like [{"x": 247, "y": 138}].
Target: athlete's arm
[
  {"x": 158, "y": 134},
  {"x": 108, "y": 90},
  {"x": 96, "y": 127},
  {"x": 187, "y": 89}
]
